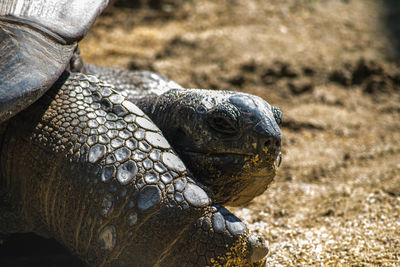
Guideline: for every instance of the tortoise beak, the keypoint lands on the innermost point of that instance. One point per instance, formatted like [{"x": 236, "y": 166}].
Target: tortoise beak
[
  {"x": 278, "y": 161},
  {"x": 269, "y": 139}
]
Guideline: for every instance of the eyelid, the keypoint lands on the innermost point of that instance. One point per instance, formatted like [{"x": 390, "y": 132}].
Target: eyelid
[{"x": 230, "y": 116}]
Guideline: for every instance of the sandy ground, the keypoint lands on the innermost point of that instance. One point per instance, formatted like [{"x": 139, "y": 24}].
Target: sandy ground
[{"x": 332, "y": 67}]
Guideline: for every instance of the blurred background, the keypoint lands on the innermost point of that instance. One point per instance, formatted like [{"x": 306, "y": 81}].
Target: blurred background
[{"x": 332, "y": 66}]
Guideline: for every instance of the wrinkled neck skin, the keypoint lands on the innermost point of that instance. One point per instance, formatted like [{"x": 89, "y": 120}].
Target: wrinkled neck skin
[
  {"x": 232, "y": 166},
  {"x": 11, "y": 220}
]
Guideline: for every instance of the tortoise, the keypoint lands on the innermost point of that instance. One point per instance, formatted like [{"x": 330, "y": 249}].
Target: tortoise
[
  {"x": 65, "y": 173},
  {"x": 230, "y": 141}
]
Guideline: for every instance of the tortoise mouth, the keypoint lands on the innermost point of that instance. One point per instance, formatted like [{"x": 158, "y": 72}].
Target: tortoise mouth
[
  {"x": 278, "y": 160},
  {"x": 231, "y": 163},
  {"x": 234, "y": 178}
]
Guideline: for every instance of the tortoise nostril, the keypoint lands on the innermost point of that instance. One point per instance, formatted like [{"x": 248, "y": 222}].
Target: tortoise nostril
[
  {"x": 278, "y": 143},
  {"x": 267, "y": 143},
  {"x": 272, "y": 144}
]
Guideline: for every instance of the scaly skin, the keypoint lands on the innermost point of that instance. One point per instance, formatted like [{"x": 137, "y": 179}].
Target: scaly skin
[
  {"x": 229, "y": 140},
  {"x": 88, "y": 168}
]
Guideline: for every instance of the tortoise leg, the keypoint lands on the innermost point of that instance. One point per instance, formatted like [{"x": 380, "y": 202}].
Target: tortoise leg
[{"x": 217, "y": 239}]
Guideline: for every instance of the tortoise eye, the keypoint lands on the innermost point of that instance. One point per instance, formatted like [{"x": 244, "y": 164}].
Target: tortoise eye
[{"x": 223, "y": 123}]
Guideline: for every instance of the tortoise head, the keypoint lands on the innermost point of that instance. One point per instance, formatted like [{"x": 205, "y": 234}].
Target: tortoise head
[{"x": 230, "y": 141}]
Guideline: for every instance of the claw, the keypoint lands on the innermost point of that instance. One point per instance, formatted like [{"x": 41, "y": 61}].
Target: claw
[{"x": 258, "y": 248}]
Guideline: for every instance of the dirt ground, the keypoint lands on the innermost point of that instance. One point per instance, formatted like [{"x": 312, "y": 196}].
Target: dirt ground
[{"x": 332, "y": 67}]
